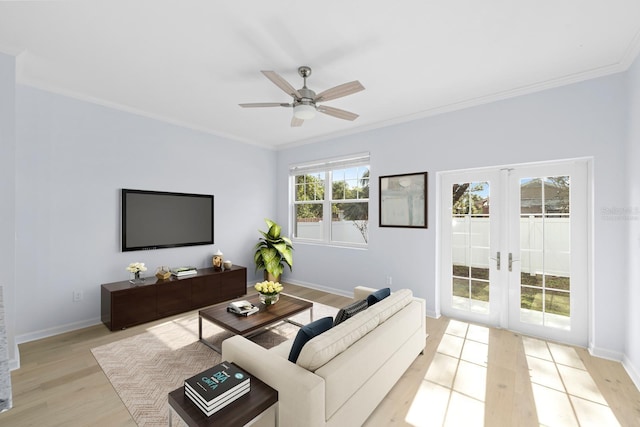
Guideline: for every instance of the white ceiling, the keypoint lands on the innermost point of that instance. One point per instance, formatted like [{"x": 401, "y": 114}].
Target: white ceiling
[{"x": 191, "y": 62}]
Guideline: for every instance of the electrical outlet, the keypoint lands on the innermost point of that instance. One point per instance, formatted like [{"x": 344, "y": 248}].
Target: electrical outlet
[
  {"x": 77, "y": 296},
  {"x": 389, "y": 280}
]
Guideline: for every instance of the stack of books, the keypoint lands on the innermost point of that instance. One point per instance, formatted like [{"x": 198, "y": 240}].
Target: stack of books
[
  {"x": 183, "y": 271},
  {"x": 217, "y": 387},
  {"x": 242, "y": 308}
]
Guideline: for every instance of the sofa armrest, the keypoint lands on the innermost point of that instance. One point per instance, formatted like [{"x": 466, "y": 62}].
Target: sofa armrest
[
  {"x": 301, "y": 393},
  {"x": 362, "y": 292}
]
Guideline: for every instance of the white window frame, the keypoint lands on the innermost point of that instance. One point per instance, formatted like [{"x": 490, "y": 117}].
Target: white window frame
[{"x": 327, "y": 166}]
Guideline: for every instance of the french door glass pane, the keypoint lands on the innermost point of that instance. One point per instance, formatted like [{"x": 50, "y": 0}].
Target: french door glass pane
[
  {"x": 545, "y": 249},
  {"x": 470, "y": 246}
]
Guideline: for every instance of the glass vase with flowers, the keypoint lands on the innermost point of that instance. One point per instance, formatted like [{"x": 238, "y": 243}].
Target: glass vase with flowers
[{"x": 269, "y": 292}]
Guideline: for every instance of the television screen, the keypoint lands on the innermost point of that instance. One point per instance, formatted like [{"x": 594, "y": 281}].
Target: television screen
[{"x": 156, "y": 219}]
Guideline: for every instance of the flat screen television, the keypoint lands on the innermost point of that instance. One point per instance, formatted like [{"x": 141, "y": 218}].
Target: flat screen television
[{"x": 158, "y": 219}]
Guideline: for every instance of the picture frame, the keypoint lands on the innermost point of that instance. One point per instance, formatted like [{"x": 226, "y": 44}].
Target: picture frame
[{"x": 403, "y": 200}]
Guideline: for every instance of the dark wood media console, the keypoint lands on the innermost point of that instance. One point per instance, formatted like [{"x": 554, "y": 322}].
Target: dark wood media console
[{"x": 124, "y": 304}]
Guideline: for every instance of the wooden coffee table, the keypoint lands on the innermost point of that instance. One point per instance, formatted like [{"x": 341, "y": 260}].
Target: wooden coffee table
[{"x": 256, "y": 323}]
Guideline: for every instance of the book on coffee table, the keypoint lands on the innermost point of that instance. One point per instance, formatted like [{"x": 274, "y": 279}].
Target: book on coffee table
[
  {"x": 243, "y": 308},
  {"x": 216, "y": 387}
]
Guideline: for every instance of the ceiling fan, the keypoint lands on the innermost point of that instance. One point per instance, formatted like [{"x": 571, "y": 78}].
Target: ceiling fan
[{"x": 305, "y": 101}]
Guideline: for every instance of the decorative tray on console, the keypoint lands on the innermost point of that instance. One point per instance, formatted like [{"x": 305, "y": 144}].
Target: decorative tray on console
[{"x": 163, "y": 273}]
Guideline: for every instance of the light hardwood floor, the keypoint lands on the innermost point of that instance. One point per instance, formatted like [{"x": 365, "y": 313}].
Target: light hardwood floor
[{"x": 468, "y": 375}]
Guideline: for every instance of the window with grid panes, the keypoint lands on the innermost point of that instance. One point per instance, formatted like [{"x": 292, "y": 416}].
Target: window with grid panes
[{"x": 330, "y": 201}]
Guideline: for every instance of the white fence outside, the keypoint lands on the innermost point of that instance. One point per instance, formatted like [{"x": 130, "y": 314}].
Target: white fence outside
[
  {"x": 544, "y": 244},
  {"x": 342, "y": 231},
  {"x": 470, "y": 244}
]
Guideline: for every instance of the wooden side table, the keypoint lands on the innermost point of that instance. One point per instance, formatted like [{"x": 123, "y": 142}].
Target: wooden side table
[{"x": 259, "y": 406}]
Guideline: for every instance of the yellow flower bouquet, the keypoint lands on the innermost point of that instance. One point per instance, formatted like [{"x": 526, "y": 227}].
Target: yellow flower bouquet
[{"x": 269, "y": 292}]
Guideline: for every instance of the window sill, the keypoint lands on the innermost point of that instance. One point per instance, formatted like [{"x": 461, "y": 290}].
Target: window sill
[{"x": 355, "y": 246}]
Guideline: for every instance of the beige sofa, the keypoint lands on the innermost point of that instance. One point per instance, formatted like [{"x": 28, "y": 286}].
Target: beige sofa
[{"x": 343, "y": 374}]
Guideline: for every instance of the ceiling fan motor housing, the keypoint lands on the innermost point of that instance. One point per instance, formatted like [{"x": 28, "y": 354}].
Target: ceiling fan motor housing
[{"x": 307, "y": 96}]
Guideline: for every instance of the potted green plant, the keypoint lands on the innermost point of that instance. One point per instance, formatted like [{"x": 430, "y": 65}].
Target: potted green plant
[{"x": 273, "y": 251}]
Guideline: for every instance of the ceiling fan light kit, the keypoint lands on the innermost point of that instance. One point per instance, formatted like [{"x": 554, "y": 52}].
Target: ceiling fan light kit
[
  {"x": 305, "y": 100},
  {"x": 304, "y": 111}
]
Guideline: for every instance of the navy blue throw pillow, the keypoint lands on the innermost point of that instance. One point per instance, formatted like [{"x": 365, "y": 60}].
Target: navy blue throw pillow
[
  {"x": 307, "y": 332},
  {"x": 378, "y": 296}
]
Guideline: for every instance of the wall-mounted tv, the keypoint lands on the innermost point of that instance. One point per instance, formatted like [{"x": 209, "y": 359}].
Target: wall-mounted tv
[{"x": 158, "y": 219}]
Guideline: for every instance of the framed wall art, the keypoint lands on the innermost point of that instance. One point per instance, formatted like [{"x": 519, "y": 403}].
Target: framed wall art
[{"x": 403, "y": 200}]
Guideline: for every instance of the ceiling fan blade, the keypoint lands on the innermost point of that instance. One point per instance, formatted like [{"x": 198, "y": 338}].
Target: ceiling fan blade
[
  {"x": 282, "y": 83},
  {"x": 264, "y": 104},
  {"x": 296, "y": 122},
  {"x": 336, "y": 112},
  {"x": 339, "y": 91}
]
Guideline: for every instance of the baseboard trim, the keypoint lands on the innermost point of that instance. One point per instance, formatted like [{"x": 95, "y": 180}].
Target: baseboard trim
[
  {"x": 631, "y": 370},
  {"x": 433, "y": 314},
  {"x": 622, "y": 358},
  {"x": 321, "y": 288},
  {"x": 602, "y": 353},
  {"x": 15, "y": 362},
  {"x": 61, "y": 329}
]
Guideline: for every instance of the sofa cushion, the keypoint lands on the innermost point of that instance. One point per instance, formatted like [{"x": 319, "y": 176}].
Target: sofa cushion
[
  {"x": 283, "y": 349},
  {"x": 325, "y": 347},
  {"x": 306, "y": 333},
  {"x": 378, "y": 296},
  {"x": 350, "y": 311},
  {"x": 392, "y": 304}
]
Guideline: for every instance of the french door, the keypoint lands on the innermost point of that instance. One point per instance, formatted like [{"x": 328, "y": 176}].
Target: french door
[{"x": 514, "y": 248}]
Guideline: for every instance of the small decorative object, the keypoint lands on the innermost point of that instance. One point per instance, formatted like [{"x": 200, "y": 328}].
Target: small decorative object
[
  {"x": 136, "y": 268},
  {"x": 217, "y": 260},
  {"x": 163, "y": 273},
  {"x": 227, "y": 264},
  {"x": 269, "y": 292}
]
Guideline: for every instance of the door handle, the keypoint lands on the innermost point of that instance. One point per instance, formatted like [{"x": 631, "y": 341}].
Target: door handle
[
  {"x": 511, "y": 261},
  {"x": 497, "y": 260}
]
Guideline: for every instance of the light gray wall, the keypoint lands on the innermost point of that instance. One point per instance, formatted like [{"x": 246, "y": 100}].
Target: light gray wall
[
  {"x": 632, "y": 361},
  {"x": 8, "y": 196},
  {"x": 585, "y": 119},
  {"x": 73, "y": 158}
]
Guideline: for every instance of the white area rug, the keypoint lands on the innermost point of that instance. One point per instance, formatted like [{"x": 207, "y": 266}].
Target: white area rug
[{"x": 144, "y": 368}]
